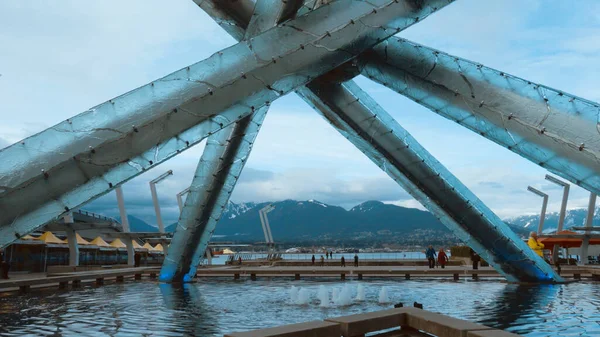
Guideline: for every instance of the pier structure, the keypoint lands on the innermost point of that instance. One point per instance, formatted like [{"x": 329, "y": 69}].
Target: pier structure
[{"x": 313, "y": 48}]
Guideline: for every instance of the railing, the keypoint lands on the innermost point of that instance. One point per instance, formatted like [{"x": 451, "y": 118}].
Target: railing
[
  {"x": 336, "y": 256},
  {"x": 97, "y": 216}
]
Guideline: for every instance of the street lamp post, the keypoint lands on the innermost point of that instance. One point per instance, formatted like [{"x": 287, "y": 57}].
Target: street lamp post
[
  {"x": 125, "y": 226},
  {"x": 544, "y": 204},
  {"x": 180, "y": 198},
  {"x": 563, "y": 209},
  {"x": 161, "y": 226}
]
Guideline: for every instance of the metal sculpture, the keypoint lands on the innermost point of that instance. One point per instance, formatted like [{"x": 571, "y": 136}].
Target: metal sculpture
[{"x": 314, "y": 47}]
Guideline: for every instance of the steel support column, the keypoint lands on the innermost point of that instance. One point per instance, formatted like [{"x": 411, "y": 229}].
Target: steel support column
[
  {"x": 216, "y": 175},
  {"x": 551, "y": 128},
  {"x": 221, "y": 154},
  {"x": 370, "y": 128},
  {"x": 88, "y": 155},
  {"x": 72, "y": 240},
  {"x": 589, "y": 222},
  {"x": 125, "y": 225},
  {"x": 179, "y": 265}
]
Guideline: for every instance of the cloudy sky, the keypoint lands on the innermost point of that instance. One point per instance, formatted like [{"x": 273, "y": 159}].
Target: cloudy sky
[{"x": 58, "y": 59}]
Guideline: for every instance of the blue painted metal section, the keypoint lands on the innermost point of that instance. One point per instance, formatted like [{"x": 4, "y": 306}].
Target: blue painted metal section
[
  {"x": 551, "y": 128},
  {"x": 371, "y": 129},
  {"x": 80, "y": 159}
]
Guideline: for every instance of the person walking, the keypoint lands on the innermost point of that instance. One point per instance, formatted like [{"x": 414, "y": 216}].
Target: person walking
[
  {"x": 313, "y": 260},
  {"x": 442, "y": 258},
  {"x": 475, "y": 258},
  {"x": 430, "y": 254},
  {"x": 343, "y": 262},
  {"x": 136, "y": 259},
  {"x": 535, "y": 244},
  {"x": 322, "y": 261},
  {"x": 4, "y": 267},
  {"x": 356, "y": 260}
]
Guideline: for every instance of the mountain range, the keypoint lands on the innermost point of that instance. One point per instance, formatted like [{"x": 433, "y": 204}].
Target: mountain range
[
  {"x": 311, "y": 220},
  {"x": 574, "y": 217}
]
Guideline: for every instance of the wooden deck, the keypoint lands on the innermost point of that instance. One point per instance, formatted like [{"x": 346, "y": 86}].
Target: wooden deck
[
  {"x": 24, "y": 283},
  {"x": 408, "y": 322}
]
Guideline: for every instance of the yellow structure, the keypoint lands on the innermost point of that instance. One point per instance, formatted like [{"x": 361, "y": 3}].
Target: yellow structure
[
  {"x": 159, "y": 248},
  {"x": 49, "y": 237},
  {"x": 99, "y": 242},
  {"x": 117, "y": 243},
  {"x": 80, "y": 240},
  {"x": 136, "y": 245}
]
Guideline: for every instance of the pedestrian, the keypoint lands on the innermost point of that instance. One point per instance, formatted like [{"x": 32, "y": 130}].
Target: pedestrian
[
  {"x": 327, "y": 255},
  {"x": 313, "y": 260},
  {"x": 136, "y": 259},
  {"x": 331, "y": 254},
  {"x": 535, "y": 244},
  {"x": 4, "y": 267},
  {"x": 240, "y": 260},
  {"x": 322, "y": 261},
  {"x": 430, "y": 254},
  {"x": 475, "y": 258},
  {"x": 355, "y": 260},
  {"x": 442, "y": 258},
  {"x": 343, "y": 262}
]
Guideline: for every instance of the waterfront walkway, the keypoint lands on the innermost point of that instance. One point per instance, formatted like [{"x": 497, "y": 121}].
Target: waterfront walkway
[
  {"x": 24, "y": 282},
  {"x": 361, "y": 272}
]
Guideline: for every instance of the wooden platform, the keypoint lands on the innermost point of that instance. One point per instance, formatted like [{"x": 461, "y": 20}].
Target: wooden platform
[
  {"x": 25, "y": 283},
  {"x": 408, "y": 322}
]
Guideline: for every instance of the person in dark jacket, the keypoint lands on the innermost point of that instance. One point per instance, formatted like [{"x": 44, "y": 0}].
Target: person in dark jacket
[
  {"x": 313, "y": 260},
  {"x": 343, "y": 262},
  {"x": 475, "y": 258},
  {"x": 136, "y": 259},
  {"x": 430, "y": 254},
  {"x": 355, "y": 260}
]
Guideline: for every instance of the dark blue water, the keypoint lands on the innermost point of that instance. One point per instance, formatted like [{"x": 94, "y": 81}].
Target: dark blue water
[{"x": 215, "y": 307}]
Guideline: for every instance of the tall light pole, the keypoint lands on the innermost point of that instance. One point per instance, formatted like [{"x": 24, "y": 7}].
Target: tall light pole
[
  {"x": 544, "y": 204},
  {"x": 180, "y": 198},
  {"x": 563, "y": 209},
  {"x": 161, "y": 226},
  {"x": 125, "y": 225},
  {"x": 264, "y": 221},
  {"x": 563, "y": 205}
]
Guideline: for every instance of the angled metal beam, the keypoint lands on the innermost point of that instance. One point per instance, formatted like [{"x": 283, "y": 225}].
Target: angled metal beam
[
  {"x": 88, "y": 155},
  {"x": 269, "y": 13},
  {"x": 551, "y": 128},
  {"x": 216, "y": 174},
  {"x": 226, "y": 157},
  {"x": 371, "y": 129}
]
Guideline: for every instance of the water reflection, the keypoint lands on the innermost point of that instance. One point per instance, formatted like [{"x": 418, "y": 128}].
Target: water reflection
[
  {"x": 216, "y": 307},
  {"x": 188, "y": 308},
  {"x": 517, "y": 307}
]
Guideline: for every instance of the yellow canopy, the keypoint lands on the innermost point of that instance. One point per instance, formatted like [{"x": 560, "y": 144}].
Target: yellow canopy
[
  {"x": 117, "y": 243},
  {"x": 136, "y": 245},
  {"x": 148, "y": 246},
  {"x": 28, "y": 237},
  {"x": 159, "y": 247},
  {"x": 99, "y": 242},
  {"x": 228, "y": 251},
  {"x": 80, "y": 240},
  {"x": 49, "y": 237}
]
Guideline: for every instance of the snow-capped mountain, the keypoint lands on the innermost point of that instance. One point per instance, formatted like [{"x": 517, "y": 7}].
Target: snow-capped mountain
[{"x": 574, "y": 217}]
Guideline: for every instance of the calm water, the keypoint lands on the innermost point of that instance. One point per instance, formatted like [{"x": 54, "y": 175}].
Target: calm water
[{"x": 214, "y": 307}]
